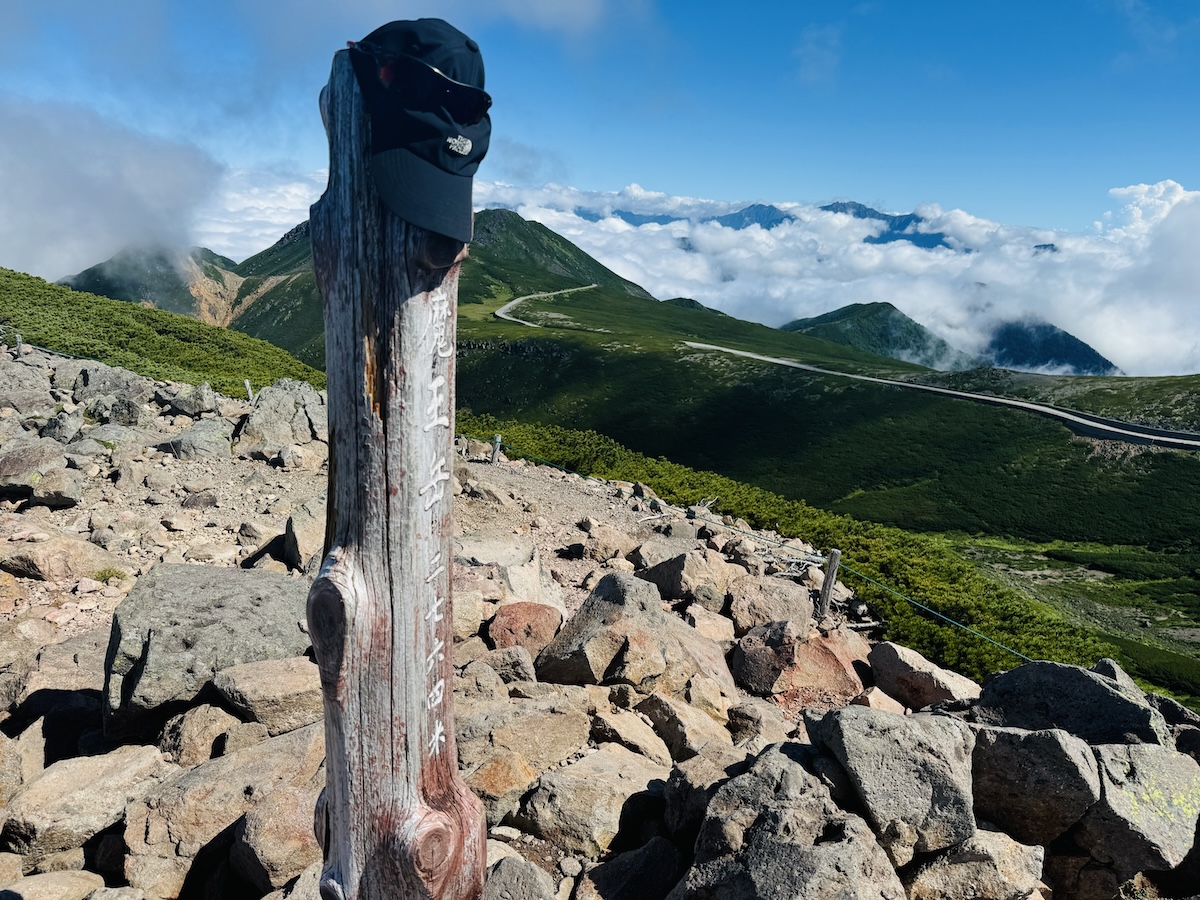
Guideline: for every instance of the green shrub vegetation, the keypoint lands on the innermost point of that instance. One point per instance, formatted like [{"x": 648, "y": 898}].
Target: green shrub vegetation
[{"x": 151, "y": 342}]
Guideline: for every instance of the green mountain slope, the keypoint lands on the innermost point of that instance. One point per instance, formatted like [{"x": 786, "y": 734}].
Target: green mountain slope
[
  {"x": 157, "y": 276},
  {"x": 882, "y": 329},
  {"x": 152, "y": 342}
]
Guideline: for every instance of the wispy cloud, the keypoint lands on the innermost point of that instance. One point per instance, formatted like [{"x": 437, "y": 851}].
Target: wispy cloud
[
  {"x": 819, "y": 53},
  {"x": 74, "y": 188}
]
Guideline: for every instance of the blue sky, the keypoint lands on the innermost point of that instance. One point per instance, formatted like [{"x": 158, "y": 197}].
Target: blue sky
[{"x": 194, "y": 122}]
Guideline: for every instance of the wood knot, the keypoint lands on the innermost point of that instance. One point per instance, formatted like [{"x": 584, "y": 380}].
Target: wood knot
[{"x": 436, "y": 846}]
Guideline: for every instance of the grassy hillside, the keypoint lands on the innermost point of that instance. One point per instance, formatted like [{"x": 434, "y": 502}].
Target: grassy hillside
[{"x": 151, "y": 342}]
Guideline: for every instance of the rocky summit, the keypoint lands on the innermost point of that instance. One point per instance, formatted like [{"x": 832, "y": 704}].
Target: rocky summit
[{"x": 645, "y": 704}]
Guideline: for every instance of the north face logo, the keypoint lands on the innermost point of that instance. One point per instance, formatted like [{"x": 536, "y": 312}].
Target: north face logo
[{"x": 458, "y": 145}]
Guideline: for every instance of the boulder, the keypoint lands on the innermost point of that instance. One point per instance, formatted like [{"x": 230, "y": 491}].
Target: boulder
[
  {"x": 775, "y": 832},
  {"x": 514, "y": 878},
  {"x": 511, "y": 664},
  {"x": 692, "y": 784},
  {"x": 75, "y": 799},
  {"x": 207, "y": 439},
  {"x": 679, "y": 578},
  {"x": 304, "y": 534},
  {"x": 60, "y": 558},
  {"x": 288, "y": 412},
  {"x": 58, "y": 489},
  {"x": 197, "y": 809},
  {"x": 629, "y": 730},
  {"x": 529, "y": 625},
  {"x": 1091, "y": 706},
  {"x": 759, "y": 600},
  {"x": 283, "y": 694},
  {"x": 25, "y": 389},
  {"x": 63, "y": 427},
  {"x": 182, "y": 624},
  {"x": 647, "y": 873},
  {"x": 711, "y": 625},
  {"x": 1033, "y": 785},
  {"x": 877, "y": 699},
  {"x": 75, "y": 665},
  {"x": 187, "y": 399},
  {"x": 989, "y": 865},
  {"x": 1148, "y": 810},
  {"x": 581, "y": 807},
  {"x": 605, "y": 542},
  {"x": 190, "y": 738},
  {"x": 684, "y": 729},
  {"x": 274, "y": 842},
  {"x": 97, "y": 380},
  {"x": 785, "y": 656},
  {"x": 621, "y": 635},
  {"x": 911, "y": 773},
  {"x": 24, "y": 464},
  {"x": 756, "y": 724},
  {"x": 913, "y": 680},
  {"x": 55, "y": 886}
]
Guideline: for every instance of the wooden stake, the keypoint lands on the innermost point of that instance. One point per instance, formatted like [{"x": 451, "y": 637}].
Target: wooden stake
[
  {"x": 395, "y": 819},
  {"x": 831, "y": 570}
]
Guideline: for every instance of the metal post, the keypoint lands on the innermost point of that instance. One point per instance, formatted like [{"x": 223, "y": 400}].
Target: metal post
[{"x": 395, "y": 819}]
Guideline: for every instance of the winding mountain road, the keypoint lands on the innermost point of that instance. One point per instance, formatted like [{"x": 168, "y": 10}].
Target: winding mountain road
[
  {"x": 502, "y": 312},
  {"x": 1080, "y": 423}
]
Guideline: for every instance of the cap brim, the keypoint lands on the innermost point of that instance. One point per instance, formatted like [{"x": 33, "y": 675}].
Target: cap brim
[{"x": 421, "y": 193}]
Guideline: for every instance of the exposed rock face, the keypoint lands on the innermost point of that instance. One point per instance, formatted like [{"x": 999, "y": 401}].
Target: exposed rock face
[
  {"x": 986, "y": 866},
  {"x": 180, "y": 626},
  {"x": 776, "y": 832},
  {"x": 757, "y": 600},
  {"x": 913, "y": 680},
  {"x": 289, "y": 413},
  {"x": 1042, "y": 695},
  {"x": 912, "y": 774}
]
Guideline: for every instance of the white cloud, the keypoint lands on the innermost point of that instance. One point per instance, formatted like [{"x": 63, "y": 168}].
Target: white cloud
[
  {"x": 820, "y": 53},
  {"x": 75, "y": 189},
  {"x": 252, "y": 209},
  {"x": 1131, "y": 289}
]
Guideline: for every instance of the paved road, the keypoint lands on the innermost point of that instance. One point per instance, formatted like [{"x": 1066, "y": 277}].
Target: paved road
[
  {"x": 502, "y": 312},
  {"x": 1081, "y": 423}
]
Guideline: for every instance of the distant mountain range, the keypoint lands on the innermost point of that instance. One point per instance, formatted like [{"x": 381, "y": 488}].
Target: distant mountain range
[{"x": 273, "y": 296}]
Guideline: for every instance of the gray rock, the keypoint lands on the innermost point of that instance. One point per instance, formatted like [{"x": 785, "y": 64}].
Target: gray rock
[
  {"x": 180, "y": 625},
  {"x": 511, "y": 664},
  {"x": 207, "y": 439},
  {"x": 758, "y": 600},
  {"x": 288, "y": 412},
  {"x": 647, "y": 873},
  {"x": 684, "y": 729},
  {"x": 580, "y": 808},
  {"x": 197, "y": 809},
  {"x": 274, "y": 842},
  {"x": 679, "y": 578},
  {"x": 988, "y": 865},
  {"x": 191, "y": 737},
  {"x": 58, "y": 489},
  {"x": 514, "y": 878},
  {"x": 763, "y": 657},
  {"x": 621, "y": 634},
  {"x": 912, "y": 774},
  {"x": 25, "y": 388},
  {"x": 910, "y": 678},
  {"x": 60, "y": 558},
  {"x": 55, "y": 886},
  {"x": 1033, "y": 784},
  {"x": 692, "y": 784},
  {"x": 63, "y": 427},
  {"x": 774, "y": 832},
  {"x": 283, "y": 694},
  {"x": 96, "y": 380},
  {"x": 1147, "y": 814},
  {"x": 75, "y": 799},
  {"x": 477, "y": 682},
  {"x": 630, "y": 731},
  {"x": 1042, "y": 695},
  {"x": 25, "y": 464},
  {"x": 304, "y": 535},
  {"x": 188, "y": 399},
  {"x": 756, "y": 724},
  {"x": 19, "y": 648}
]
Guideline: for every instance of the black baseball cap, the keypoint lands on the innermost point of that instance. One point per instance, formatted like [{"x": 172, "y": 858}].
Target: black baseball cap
[{"x": 422, "y": 84}]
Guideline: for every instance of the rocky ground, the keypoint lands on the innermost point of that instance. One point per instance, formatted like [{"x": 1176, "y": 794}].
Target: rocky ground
[{"x": 645, "y": 704}]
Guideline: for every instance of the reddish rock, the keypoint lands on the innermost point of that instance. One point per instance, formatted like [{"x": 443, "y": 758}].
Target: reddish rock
[{"x": 528, "y": 625}]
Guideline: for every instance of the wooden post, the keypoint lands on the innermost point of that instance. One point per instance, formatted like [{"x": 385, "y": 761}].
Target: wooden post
[
  {"x": 495, "y": 449},
  {"x": 395, "y": 819},
  {"x": 249, "y": 390},
  {"x": 831, "y": 570}
]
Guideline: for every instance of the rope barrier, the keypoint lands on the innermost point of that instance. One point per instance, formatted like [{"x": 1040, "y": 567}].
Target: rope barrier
[{"x": 806, "y": 558}]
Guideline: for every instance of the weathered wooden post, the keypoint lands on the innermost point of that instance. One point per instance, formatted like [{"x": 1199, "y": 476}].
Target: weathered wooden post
[
  {"x": 831, "y": 569},
  {"x": 495, "y": 449},
  {"x": 395, "y": 819}
]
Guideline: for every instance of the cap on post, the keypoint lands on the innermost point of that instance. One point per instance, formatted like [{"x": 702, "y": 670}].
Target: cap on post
[{"x": 422, "y": 84}]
